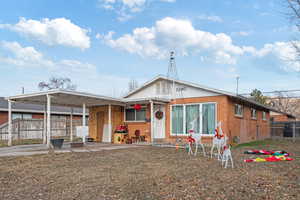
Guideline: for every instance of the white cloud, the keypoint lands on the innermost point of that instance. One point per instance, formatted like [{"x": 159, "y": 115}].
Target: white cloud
[
  {"x": 59, "y": 31},
  {"x": 284, "y": 52},
  {"x": 242, "y": 33},
  {"x": 83, "y": 74},
  {"x": 126, "y": 8},
  {"x": 180, "y": 35},
  {"x": 169, "y": 34},
  {"x": 30, "y": 57},
  {"x": 23, "y": 56},
  {"x": 212, "y": 18}
]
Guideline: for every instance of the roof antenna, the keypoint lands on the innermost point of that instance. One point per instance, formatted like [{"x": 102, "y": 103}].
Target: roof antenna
[{"x": 172, "y": 73}]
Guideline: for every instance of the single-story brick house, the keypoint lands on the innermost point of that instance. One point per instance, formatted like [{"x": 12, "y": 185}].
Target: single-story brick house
[
  {"x": 167, "y": 111},
  {"x": 281, "y": 116},
  {"x": 194, "y": 105}
]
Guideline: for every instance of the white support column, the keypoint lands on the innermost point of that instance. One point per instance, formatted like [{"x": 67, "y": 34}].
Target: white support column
[
  {"x": 83, "y": 115},
  {"x": 9, "y": 124},
  {"x": 109, "y": 123},
  {"x": 48, "y": 120},
  {"x": 45, "y": 126},
  {"x": 71, "y": 125},
  {"x": 152, "y": 121}
]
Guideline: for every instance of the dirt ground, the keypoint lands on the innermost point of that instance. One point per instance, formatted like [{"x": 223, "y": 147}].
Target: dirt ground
[{"x": 150, "y": 173}]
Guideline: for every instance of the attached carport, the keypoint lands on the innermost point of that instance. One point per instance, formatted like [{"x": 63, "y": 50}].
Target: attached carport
[{"x": 60, "y": 97}]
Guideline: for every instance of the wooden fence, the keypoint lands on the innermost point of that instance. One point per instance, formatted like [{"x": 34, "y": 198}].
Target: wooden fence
[{"x": 34, "y": 128}]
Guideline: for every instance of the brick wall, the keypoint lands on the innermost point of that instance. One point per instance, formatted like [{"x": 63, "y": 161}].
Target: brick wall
[
  {"x": 245, "y": 128},
  {"x": 281, "y": 118}
]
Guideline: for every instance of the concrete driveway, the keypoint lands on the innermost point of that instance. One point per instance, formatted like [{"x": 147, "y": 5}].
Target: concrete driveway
[{"x": 35, "y": 149}]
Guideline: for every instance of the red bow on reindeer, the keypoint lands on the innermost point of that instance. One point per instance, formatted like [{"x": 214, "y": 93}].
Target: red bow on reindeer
[
  {"x": 190, "y": 139},
  {"x": 219, "y": 136}
]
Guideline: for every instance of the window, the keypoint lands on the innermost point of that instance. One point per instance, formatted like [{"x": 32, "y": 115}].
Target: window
[
  {"x": 16, "y": 116},
  {"x": 253, "y": 113},
  {"x": 264, "y": 115},
  {"x": 238, "y": 110},
  {"x": 177, "y": 119},
  {"x": 208, "y": 118},
  {"x": 201, "y": 118},
  {"x": 192, "y": 118},
  {"x": 135, "y": 115},
  {"x": 21, "y": 116}
]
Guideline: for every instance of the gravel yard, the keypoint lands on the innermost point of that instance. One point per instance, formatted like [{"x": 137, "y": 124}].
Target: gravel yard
[{"x": 150, "y": 173}]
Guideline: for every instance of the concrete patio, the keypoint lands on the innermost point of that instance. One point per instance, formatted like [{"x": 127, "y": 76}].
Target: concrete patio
[{"x": 35, "y": 149}]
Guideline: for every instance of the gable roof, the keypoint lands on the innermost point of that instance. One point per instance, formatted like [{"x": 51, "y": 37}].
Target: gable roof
[{"x": 195, "y": 85}]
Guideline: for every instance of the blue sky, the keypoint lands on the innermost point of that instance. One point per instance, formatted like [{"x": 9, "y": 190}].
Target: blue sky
[{"x": 102, "y": 44}]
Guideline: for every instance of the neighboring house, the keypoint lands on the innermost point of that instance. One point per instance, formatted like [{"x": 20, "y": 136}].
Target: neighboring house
[
  {"x": 34, "y": 111},
  {"x": 168, "y": 110},
  {"x": 281, "y": 117}
]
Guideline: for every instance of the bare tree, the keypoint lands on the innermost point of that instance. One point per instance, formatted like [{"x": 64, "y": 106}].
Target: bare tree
[
  {"x": 294, "y": 6},
  {"x": 285, "y": 102},
  {"x": 132, "y": 85},
  {"x": 57, "y": 83}
]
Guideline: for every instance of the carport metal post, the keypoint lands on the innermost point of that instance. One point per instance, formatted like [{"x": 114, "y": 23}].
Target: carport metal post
[
  {"x": 294, "y": 131},
  {"x": 9, "y": 124},
  {"x": 45, "y": 126},
  {"x": 48, "y": 120},
  {"x": 109, "y": 123},
  {"x": 71, "y": 125},
  {"x": 151, "y": 123},
  {"x": 83, "y": 119}
]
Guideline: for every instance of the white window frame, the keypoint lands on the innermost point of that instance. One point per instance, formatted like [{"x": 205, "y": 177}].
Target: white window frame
[
  {"x": 184, "y": 118},
  {"x": 242, "y": 110},
  {"x": 264, "y": 116},
  {"x": 252, "y": 109},
  {"x": 143, "y": 107}
]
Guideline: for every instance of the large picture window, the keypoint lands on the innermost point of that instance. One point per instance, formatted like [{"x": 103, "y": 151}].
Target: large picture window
[
  {"x": 135, "y": 115},
  {"x": 192, "y": 118},
  {"x": 208, "y": 118},
  {"x": 177, "y": 120},
  {"x": 201, "y": 118}
]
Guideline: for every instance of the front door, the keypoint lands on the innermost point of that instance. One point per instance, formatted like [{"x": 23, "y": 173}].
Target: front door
[
  {"x": 159, "y": 121},
  {"x": 100, "y": 126}
]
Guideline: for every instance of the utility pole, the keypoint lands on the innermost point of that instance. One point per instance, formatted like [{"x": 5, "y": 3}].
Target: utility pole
[{"x": 237, "y": 85}]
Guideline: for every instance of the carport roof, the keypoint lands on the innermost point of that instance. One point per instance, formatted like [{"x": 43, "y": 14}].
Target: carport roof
[{"x": 66, "y": 98}]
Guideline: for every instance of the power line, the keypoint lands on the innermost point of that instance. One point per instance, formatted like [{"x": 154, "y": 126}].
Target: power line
[{"x": 276, "y": 91}]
